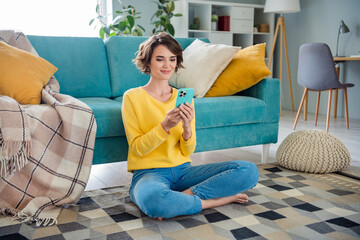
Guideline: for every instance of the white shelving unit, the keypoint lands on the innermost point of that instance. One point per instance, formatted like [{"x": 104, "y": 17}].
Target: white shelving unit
[{"x": 243, "y": 18}]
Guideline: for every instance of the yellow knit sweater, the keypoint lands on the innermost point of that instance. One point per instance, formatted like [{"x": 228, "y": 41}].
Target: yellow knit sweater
[{"x": 150, "y": 146}]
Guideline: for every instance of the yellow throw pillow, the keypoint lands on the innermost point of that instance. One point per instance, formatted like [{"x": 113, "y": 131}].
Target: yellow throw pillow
[
  {"x": 245, "y": 70},
  {"x": 22, "y": 74}
]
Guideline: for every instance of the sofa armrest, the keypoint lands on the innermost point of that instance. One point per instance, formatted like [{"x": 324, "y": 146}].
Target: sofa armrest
[{"x": 267, "y": 90}]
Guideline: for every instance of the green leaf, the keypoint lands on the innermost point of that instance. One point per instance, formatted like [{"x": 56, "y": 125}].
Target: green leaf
[
  {"x": 131, "y": 20},
  {"x": 168, "y": 7},
  {"x": 128, "y": 10},
  {"x": 97, "y": 9},
  {"x": 141, "y": 27},
  {"x": 172, "y": 6},
  {"x": 177, "y": 15},
  {"x": 159, "y": 12},
  {"x": 91, "y": 21},
  {"x": 101, "y": 33},
  {"x": 155, "y": 22},
  {"x": 122, "y": 25},
  {"x": 137, "y": 32},
  {"x": 170, "y": 29}
]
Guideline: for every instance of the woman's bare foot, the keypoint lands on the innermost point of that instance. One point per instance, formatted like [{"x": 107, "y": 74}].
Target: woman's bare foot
[
  {"x": 217, "y": 202},
  {"x": 241, "y": 198}
]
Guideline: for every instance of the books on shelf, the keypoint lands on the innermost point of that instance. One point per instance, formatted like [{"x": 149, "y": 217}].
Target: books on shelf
[{"x": 224, "y": 23}]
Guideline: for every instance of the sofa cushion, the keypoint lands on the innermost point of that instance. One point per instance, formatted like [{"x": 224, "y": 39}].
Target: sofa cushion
[
  {"x": 107, "y": 114},
  {"x": 22, "y": 74},
  {"x": 245, "y": 70},
  {"x": 227, "y": 111},
  {"x": 203, "y": 63},
  {"x": 121, "y": 50},
  {"x": 81, "y": 61}
]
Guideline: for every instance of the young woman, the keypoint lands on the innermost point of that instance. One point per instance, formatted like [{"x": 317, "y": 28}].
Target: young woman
[{"x": 161, "y": 139}]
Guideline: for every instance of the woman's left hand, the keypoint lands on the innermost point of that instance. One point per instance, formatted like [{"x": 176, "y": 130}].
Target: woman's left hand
[{"x": 187, "y": 115}]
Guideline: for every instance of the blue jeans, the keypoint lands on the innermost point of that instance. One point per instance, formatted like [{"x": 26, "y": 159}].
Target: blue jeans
[{"x": 158, "y": 192}]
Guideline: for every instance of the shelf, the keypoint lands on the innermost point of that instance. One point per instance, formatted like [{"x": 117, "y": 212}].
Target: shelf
[
  {"x": 262, "y": 33},
  {"x": 243, "y": 18},
  {"x": 225, "y": 32},
  {"x": 198, "y": 31}
]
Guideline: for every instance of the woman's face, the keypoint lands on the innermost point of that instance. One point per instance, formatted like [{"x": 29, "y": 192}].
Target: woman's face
[{"x": 162, "y": 63}]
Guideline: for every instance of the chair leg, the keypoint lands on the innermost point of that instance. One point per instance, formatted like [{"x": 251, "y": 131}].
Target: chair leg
[
  {"x": 300, "y": 107},
  {"x": 328, "y": 111},
  {"x": 346, "y": 108},
  {"x": 317, "y": 107},
  {"x": 306, "y": 105}
]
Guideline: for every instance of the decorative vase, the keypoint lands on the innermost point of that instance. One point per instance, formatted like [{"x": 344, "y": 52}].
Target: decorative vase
[{"x": 213, "y": 26}]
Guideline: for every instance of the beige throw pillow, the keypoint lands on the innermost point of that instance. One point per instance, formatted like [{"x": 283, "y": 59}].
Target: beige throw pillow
[{"x": 203, "y": 63}]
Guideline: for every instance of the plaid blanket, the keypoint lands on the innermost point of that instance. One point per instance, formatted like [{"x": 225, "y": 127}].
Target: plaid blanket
[{"x": 46, "y": 150}]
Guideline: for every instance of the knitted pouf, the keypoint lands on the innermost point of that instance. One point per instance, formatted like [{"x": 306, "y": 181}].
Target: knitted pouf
[{"x": 312, "y": 151}]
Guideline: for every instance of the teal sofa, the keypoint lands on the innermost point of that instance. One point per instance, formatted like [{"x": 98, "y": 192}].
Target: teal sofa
[{"x": 98, "y": 73}]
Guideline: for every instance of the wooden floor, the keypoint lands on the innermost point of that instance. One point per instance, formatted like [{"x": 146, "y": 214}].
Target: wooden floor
[{"x": 115, "y": 174}]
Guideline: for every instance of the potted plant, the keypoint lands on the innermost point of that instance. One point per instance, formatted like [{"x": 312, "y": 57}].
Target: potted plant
[
  {"x": 214, "y": 20},
  {"x": 164, "y": 14},
  {"x": 124, "y": 24}
]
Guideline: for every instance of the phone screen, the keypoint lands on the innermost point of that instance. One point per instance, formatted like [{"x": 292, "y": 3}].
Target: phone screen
[{"x": 184, "y": 95}]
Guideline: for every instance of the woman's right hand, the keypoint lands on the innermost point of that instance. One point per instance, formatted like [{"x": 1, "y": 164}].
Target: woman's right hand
[{"x": 172, "y": 118}]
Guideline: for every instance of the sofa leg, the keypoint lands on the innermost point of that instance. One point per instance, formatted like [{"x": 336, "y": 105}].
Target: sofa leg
[{"x": 265, "y": 153}]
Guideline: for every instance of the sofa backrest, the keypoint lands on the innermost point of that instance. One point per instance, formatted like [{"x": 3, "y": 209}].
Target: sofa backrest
[
  {"x": 81, "y": 61},
  {"x": 121, "y": 50}
]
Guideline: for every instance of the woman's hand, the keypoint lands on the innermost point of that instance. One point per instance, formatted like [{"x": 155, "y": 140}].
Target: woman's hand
[
  {"x": 172, "y": 118},
  {"x": 187, "y": 115}
]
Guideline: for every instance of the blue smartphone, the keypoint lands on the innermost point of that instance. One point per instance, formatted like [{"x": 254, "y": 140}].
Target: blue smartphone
[{"x": 184, "y": 95}]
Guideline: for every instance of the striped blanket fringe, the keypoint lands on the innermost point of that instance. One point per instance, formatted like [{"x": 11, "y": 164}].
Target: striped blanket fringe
[{"x": 13, "y": 155}]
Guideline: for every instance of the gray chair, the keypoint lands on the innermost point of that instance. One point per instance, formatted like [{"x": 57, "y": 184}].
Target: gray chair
[{"x": 316, "y": 72}]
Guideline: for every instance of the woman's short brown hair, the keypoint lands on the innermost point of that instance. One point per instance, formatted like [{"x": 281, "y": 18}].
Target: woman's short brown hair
[{"x": 146, "y": 49}]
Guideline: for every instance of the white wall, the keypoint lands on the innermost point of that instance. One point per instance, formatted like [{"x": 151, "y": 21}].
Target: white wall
[
  {"x": 52, "y": 18},
  {"x": 319, "y": 21}
]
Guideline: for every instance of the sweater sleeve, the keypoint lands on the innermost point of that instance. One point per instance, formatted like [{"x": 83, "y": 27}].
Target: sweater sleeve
[
  {"x": 188, "y": 147},
  {"x": 139, "y": 142}
]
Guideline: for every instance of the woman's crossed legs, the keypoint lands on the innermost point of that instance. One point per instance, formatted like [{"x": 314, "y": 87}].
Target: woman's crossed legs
[{"x": 186, "y": 189}]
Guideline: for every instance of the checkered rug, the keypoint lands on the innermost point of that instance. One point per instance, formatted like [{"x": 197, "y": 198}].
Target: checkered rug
[{"x": 284, "y": 205}]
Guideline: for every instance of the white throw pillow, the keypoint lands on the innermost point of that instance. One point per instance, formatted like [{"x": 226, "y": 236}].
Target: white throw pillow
[{"x": 203, "y": 63}]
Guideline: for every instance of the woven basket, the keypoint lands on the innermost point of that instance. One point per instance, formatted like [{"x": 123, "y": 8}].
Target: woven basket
[{"x": 313, "y": 151}]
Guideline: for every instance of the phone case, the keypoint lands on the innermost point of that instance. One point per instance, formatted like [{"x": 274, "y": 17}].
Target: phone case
[{"x": 184, "y": 95}]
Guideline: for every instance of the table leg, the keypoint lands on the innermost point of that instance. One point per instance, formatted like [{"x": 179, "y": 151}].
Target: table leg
[
  {"x": 337, "y": 67},
  {"x": 328, "y": 111}
]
